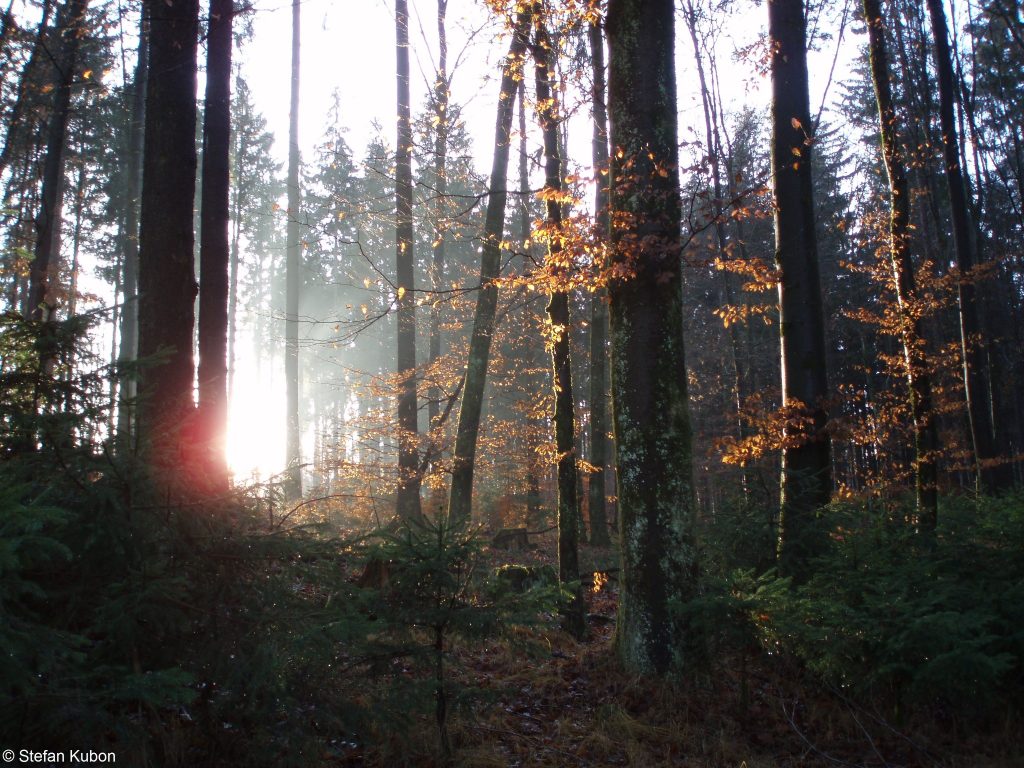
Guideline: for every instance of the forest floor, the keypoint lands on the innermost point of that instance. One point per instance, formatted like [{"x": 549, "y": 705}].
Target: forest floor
[{"x": 543, "y": 700}]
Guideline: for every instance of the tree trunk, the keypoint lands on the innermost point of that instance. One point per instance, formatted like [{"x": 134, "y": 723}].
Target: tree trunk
[
  {"x": 16, "y": 122},
  {"x": 975, "y": 374},
  {"x": 649, "y": 397},
  {"x": 214, "y": 253},
  {"x": 440, "y": 205},
  {"x": 129, "y": 331},
  {"x": 461, "y": 498},
  {"x": 599, "y": 303},
  {"x": 559, "y": 325},
  {"x": 408, "y": 497},
  {"x": 711, "y": 135},
  {"x": 926, "y": 443},
  {"x": 293, "y": 456},
  {"x": 76, "y": 241},
  {"x": 534, "y": 511},
  {"x": 236, "y": 235},
  {"x": 48, "y": 218},
  {"x": 806, "y": 457},
  {"x": 167, "y": 284}
]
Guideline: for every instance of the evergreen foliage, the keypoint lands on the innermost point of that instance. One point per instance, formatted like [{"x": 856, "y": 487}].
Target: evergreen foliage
[
  {"x": 201, "y": 631},
  {"x": 201, "y": 634},
  {"x": 434, "y": 589},
  {"x": 917, "y": 626}
]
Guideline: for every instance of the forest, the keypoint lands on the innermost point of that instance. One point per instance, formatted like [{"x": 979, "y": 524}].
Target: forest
[{"x": 674, "y": 422}]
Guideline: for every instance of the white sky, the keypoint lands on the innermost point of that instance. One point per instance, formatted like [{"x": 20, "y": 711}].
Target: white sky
[{"x": 349, "y": 45}]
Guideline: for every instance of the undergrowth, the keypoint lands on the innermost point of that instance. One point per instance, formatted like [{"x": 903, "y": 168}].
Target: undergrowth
[
  {"x": 202, "y": 633},
  {"x": 212, "y": 633},
  {"x": 925, "y": 630}
]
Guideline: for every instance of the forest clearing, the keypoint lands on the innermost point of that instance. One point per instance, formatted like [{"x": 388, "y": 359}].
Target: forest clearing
[{"x": 643, "y": 389}]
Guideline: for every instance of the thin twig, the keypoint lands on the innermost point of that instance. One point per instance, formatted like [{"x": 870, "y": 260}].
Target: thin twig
[
  {"x": 808, "y": 742},
  {"x": 881, "y": 721}
]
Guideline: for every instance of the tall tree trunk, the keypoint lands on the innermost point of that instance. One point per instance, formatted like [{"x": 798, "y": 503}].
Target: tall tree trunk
[
  {"x": 76, "y": 240},
  {"x": 440, "y": 204},
  {"x": 806, "y": 459},
  {"x": 599, "y": 302},
  {"x": 129, "y": 330},
  {"x": 975, "y": 372},
  {"x": 408, "y": 497},
  {"x": 16, "y": 122},
  {"x": 560, "y": 325},
  {"x": 236, "y": 237},
  {"x": 736, "y": 357},
  {"x": 48, "y": 217},
  {"x": 293, "y": 456},
  {"x": 214, "y": 253},
  {"x": 463, "y": 462},
  {"x": 652, "y": 424},
  {"x": 534, "y": 511},
  {"x": 167, "y": 283},
  {"x": 926, "y": 442}
]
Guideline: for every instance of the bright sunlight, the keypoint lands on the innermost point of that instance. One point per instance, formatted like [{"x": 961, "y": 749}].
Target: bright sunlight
[{"x": 256, "y": 424}]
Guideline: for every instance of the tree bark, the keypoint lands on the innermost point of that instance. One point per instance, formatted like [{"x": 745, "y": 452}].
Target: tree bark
[
  {"x": 15, "y": 121},
  {"x": 441, "y": 90},
  {"x": 48, "y": 217},
  {"x": 167, "y": 284},
  {"x": 559, "y": 326},
  {"x": 463, "y": 461},
  {"x": 214, "y": 253},
  {"x": 599, "y": 302},
  {"x": 714, "y": 148},
  {"x": 926, "y": 442},
  {"x": 975, "y": 370},
  {"x": 293, "y": 257},
  {"x": 76, "y": 239},
  {"x": 534, "y": 510},
  {"x": 649, "y": 391},
  {"x": 408, "y": 496},
  {"x": 235, "y": 253},
  {"x": 129, "y": 330},
  {"x": 806, "y": 455}
]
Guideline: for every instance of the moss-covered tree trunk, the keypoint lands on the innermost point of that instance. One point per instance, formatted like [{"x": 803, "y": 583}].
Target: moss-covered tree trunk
[
  {"x": 651, "y": 417},
  {"x": 926, "y": 442},
  {"x": 167, "y": 283},
  {"x": 463, "y": 462},
  {"x": 807, "y": 455}
]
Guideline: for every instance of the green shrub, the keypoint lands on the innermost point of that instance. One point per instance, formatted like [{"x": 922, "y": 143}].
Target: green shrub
[
  {"x": 434, "y": 588},
  {"x": 893, "y": 616},
  {"x": 175, "y": 635}
]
